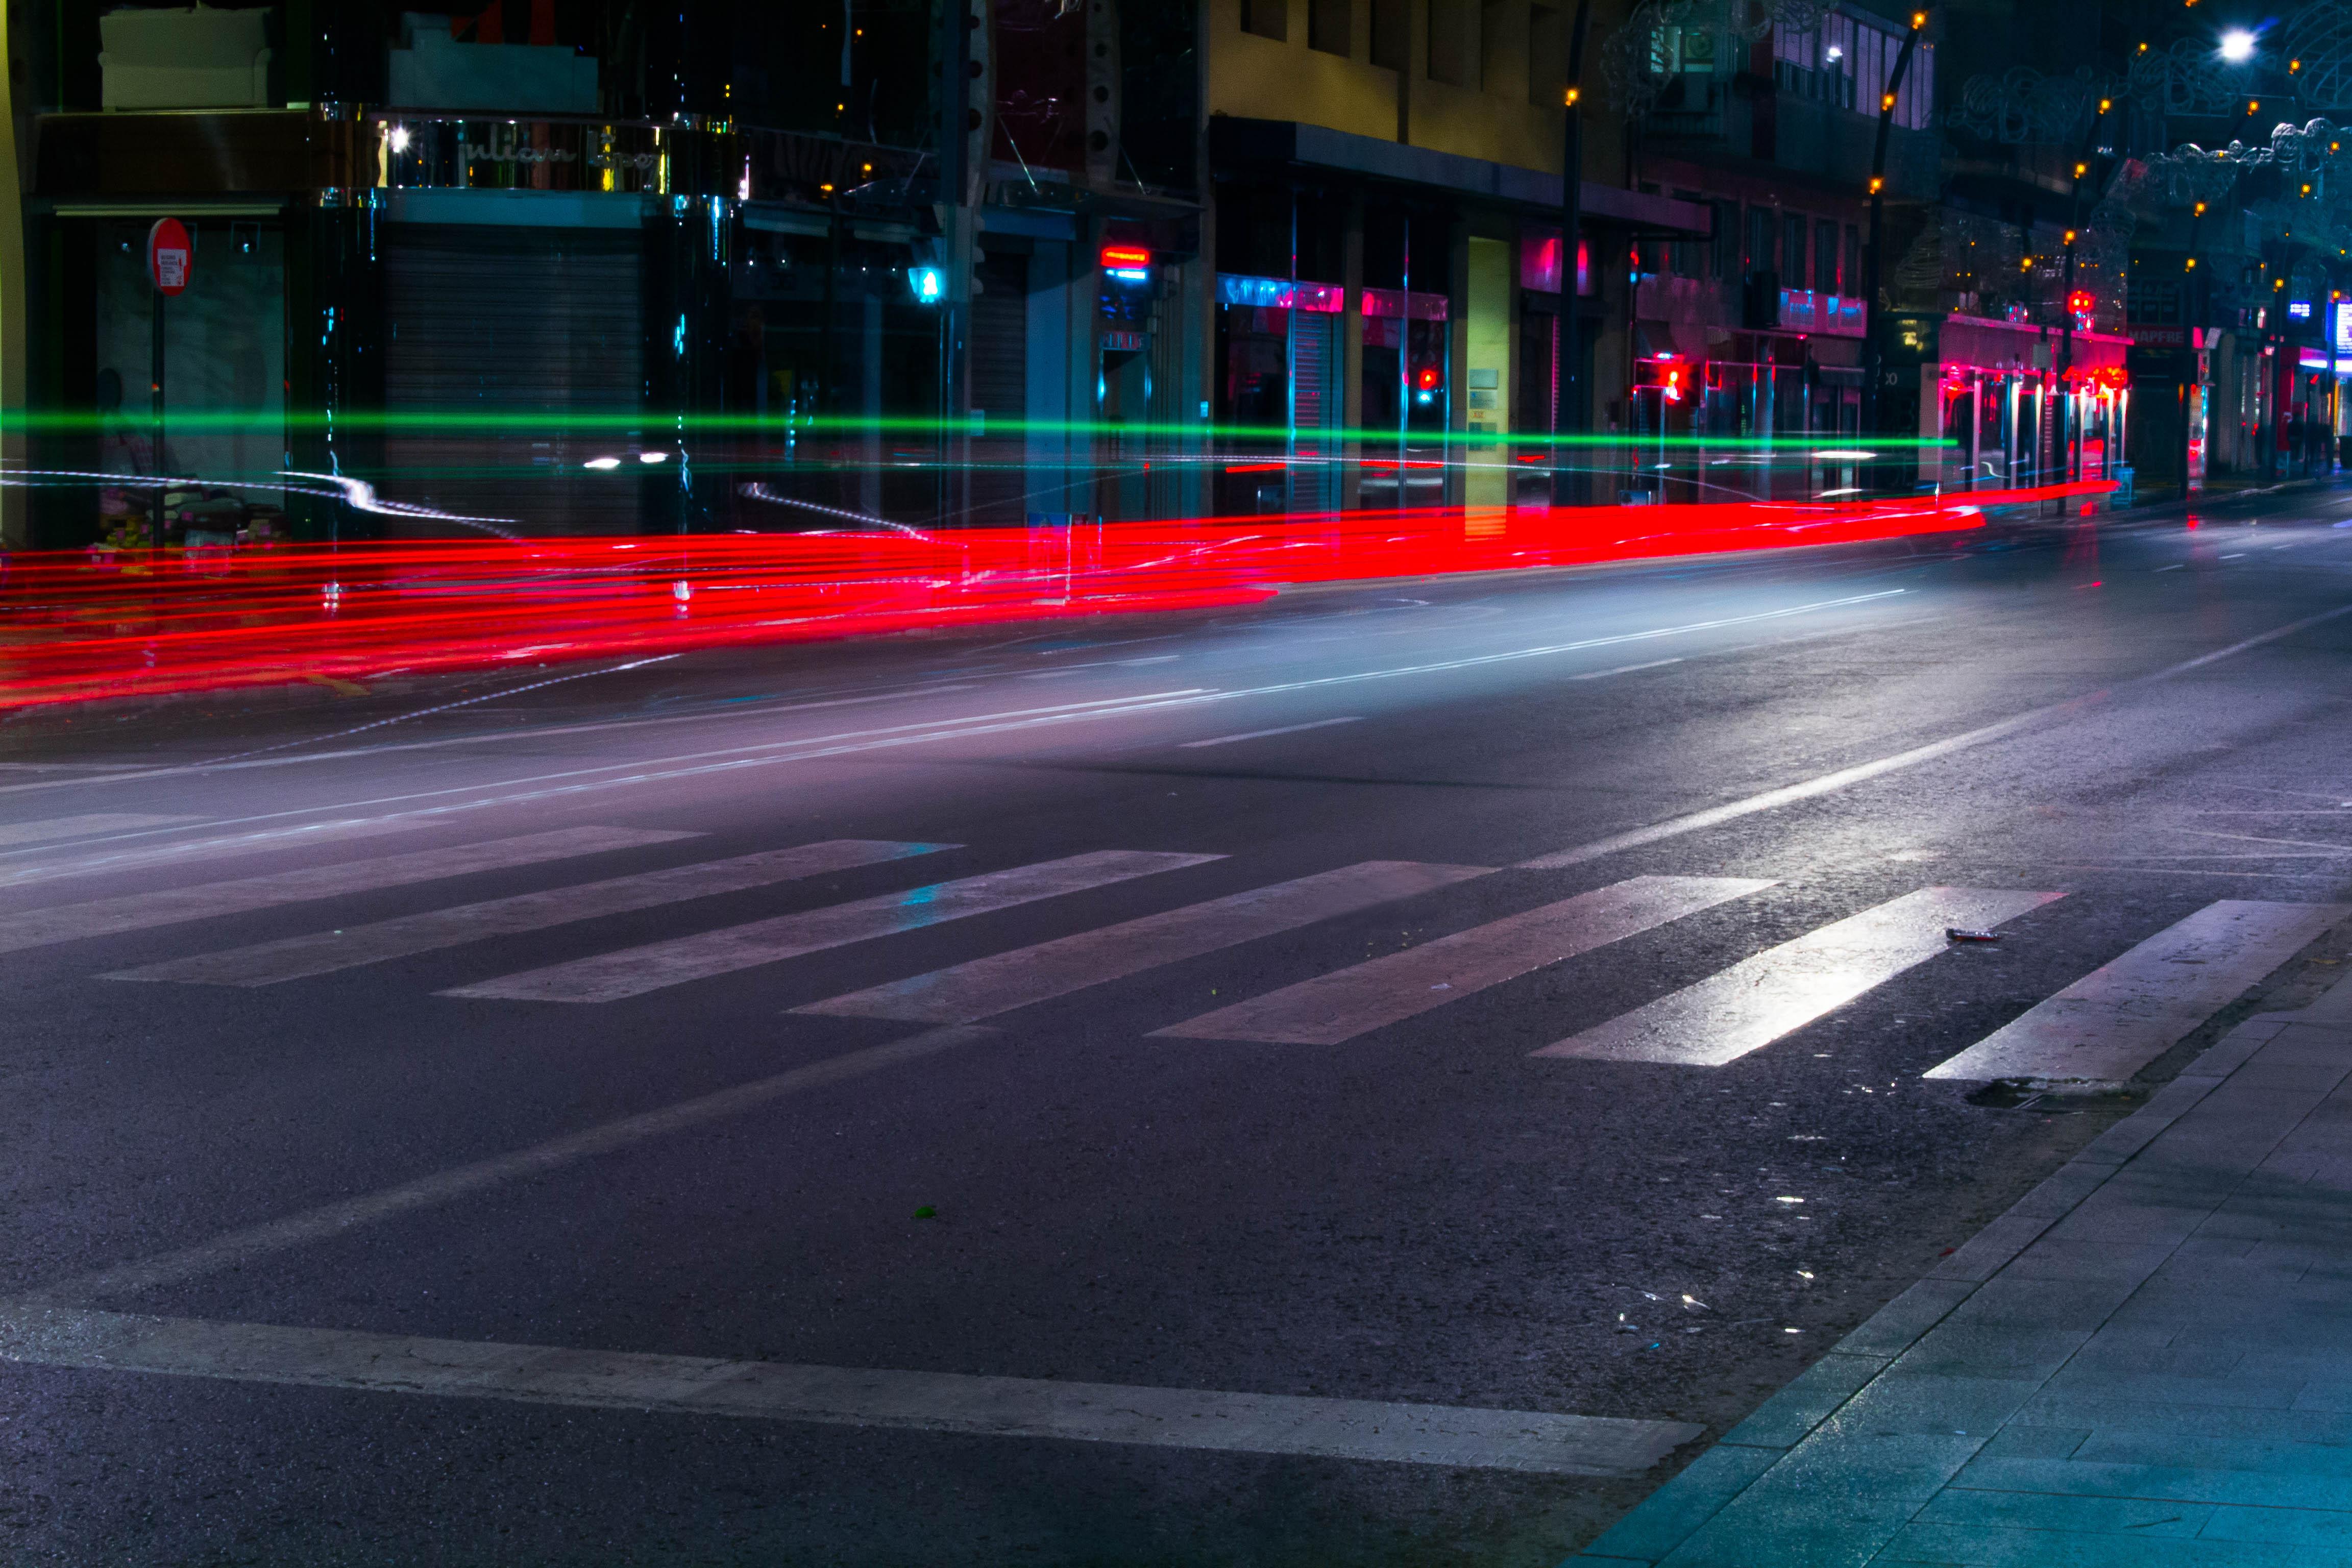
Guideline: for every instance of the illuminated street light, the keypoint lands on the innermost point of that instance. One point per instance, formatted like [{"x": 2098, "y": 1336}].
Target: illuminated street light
[{"x": 2237, "y": 46}]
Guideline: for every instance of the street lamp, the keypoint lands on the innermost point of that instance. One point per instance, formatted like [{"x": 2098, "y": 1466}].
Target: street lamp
[{"x": 2237, "y": 46}]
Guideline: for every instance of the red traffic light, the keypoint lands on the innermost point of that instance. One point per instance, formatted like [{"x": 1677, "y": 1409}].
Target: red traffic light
[
  {"x": 1428, "y": 378},
  {"x": 2081, "y": 302}
]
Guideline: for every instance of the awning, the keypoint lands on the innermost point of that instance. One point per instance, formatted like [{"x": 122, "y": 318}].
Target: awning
[{"x": 1237, "y": 143}]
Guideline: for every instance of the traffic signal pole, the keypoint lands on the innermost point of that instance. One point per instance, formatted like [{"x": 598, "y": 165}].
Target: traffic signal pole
[
  {"x": 1569, "y": 363},
  {"x": 1874, "y": 333}
]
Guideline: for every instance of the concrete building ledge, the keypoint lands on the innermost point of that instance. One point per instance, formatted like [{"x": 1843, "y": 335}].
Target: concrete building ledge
[{"x": 1276, "y": 142}]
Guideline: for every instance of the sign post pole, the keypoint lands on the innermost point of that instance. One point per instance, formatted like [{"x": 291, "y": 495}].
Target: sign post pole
[
  {"x": 170, "y": 256},
  {"x": 155, "y": 446}
]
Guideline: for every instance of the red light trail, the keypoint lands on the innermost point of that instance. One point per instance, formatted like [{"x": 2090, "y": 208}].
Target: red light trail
[{"x": 77, "y": 625}]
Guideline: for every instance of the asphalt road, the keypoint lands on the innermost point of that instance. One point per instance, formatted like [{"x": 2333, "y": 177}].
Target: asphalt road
[{"x": 303, "y": 1258}]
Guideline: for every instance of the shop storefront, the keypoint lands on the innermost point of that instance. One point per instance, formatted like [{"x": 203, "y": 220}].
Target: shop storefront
[
  {"x": 1737, "y": 410},
  {"x": 2016, "y": 405}
]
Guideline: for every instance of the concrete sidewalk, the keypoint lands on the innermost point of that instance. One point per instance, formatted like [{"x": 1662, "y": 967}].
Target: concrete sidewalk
[{"x": 2147, "y": 1360}]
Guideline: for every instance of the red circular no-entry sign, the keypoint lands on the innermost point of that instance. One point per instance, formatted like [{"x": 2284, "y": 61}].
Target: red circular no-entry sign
[{"x": 170, "y": 256}]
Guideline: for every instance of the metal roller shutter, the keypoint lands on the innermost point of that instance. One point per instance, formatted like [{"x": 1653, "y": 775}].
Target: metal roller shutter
[
  {"x": 1000, "y": 386},
  {"x": 502, "y": 335}
]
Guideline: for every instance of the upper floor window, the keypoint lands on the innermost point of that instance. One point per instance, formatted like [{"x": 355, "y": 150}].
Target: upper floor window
[
  {"x": 1674, "y": 50},
  {"x": 1847, "y": 61},
  {"x": 1266, "y": 18},
  {"x": 1451, "y": 42},
  {"x": 1547, "y": 55},
  {"x": 1328, "y": 25},
  {"x": 1392, "y": 30}
]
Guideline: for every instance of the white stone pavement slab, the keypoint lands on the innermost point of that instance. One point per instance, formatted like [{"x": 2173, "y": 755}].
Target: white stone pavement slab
[{"x": 2147, "y": 1360}]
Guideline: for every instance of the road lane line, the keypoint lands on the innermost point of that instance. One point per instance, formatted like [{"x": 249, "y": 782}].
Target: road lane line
[
  {"x": 632, "y": 971},
  {"x": 1825, "y": 783},
  {"x": 170, "y": 906},
  {"x": 339, "y": 1218},
  {"x": 583, "y": 780},
  {"x": 1759, "y": 999},
  {"x": 1262, "y": 735},
  {"x": 1529, "y": 1441},
  {"x": 700, "y": 764},
  {"x": 889, "y": 735},
  {"x": 717, "y": 709},
  {"x": 1625, "y": 670},
  {"x": 296, "y": 837},
  {"x": 89, "y": 822},
  {"x": 322, "y": 952},
  {"x": 985, "y": 987},
  {"x": 1340, "y": 1005},
  {"x": 2131, "y": 1010}
]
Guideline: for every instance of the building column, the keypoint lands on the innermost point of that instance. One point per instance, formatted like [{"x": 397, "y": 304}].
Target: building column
[
  {"x": 1352, "y": 353},
  {"x": 1457, "y": 360},
  {"x": 1486, "y": 389},
  {"x": 15, "y": 532}
]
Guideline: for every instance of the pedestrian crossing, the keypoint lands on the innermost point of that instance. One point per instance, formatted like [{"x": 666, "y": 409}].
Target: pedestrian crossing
[
  {"x": 2128, "y": 1012},
  {"x": 2102, "y": 1026},
  {"x": 632, "y": 971},
  {"x": 1004, "y": 981},
  {"x": 1755, "y": 1001},
  {"x": 322, "y": 952},
  {"x": 1338, "y": 1007},
  {"x": 246, "y": 895}
]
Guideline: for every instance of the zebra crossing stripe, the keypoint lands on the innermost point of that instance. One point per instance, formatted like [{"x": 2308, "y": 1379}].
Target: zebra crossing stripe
[
  {"x": 322, "y": 953},
  {"x": 1759, "y": 999},
  {"x": 2127, "y": 1012},
  {"x": 985, "y": 987},
  {"x": 1340, "y": 1005},
  {"x": 75, "y": 827},
  {"x": 632, "y": 971},
  {"x": 138, "y": 911}
]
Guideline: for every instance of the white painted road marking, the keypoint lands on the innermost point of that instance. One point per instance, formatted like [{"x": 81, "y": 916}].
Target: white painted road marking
[
  {"x": 1524, "y": 1440},
  {"x": 1349, "y": 1002},
  {"x": 1675, "y": 827},
  {"x": 117, "y": 859},
  {"x": 1262, "y": 735},
  {"x": 1759, "y": 999},
  {"x": 2128, "y": 1012},
  {"x": 101, "y": 857},
  {"x": 610, "y": 976},
  {"x": 169, "y": 906},
  {"x": 986, "y": 986},
  {"x": 704, "y": 763},
  {"x": 322, "y": 953},
  {"x": 73, "y": 827},
  {"x": 1824, "y": 784},
  {"x": 1625, "y": 670},
  {"x": 344, "y": 1215}
]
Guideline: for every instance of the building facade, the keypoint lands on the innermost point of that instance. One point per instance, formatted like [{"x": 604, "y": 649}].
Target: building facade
[{"x": 564, "y": 266}]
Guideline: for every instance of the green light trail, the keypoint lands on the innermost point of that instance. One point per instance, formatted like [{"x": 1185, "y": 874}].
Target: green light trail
[{"x": 666, "y": 431}]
